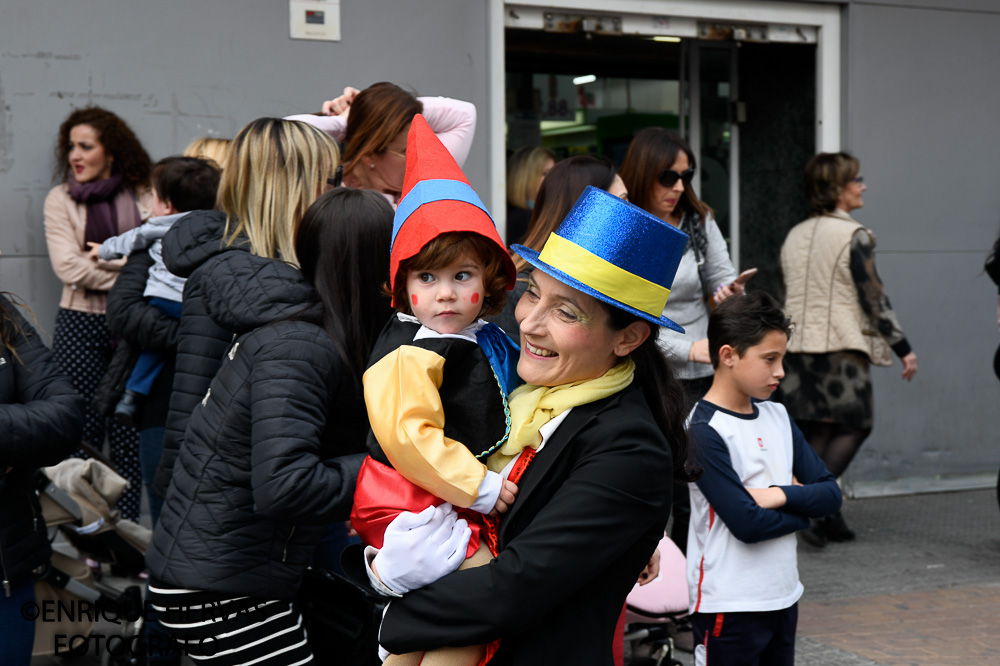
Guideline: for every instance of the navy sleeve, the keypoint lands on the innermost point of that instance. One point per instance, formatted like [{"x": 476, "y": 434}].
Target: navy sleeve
[
  {"x": 747, "y": 520},
  {"x": 819, "y": 495}
]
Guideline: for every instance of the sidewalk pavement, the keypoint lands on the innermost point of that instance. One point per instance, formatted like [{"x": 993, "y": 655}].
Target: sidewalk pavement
[{"x": 919, "y": 586}]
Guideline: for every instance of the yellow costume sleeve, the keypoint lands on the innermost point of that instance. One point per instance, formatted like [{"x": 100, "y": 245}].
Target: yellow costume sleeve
[{"x": 407, "y": 417}]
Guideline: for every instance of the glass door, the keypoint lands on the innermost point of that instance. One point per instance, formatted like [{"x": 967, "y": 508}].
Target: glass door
[{"x": 714, "y": 133}]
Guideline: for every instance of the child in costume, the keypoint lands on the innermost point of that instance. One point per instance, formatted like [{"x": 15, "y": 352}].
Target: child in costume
[
  {"x": 437, "y": 384},
  {"x": 761, "y": 482},
  {"x": 180, "y": 185}
]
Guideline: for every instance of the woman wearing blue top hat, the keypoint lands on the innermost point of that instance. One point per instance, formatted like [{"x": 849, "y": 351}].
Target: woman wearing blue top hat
[{"x": 595, "y": 432}]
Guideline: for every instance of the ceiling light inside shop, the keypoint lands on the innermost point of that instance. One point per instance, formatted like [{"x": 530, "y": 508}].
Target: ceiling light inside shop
[
  {"x": 580, "y": 80},
  {"x": 666, "y": 38}
]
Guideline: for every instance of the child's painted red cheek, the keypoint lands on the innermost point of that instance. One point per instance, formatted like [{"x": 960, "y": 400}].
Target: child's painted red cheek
[
  {"x": 475, "y": 298},
  {"x": 413, "y": 298}
]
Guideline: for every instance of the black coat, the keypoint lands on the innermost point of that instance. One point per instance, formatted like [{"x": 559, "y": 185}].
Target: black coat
[
  {"x": 201, "y": 343},
  {"x": 140, "y": 325},
  {"x": 258, "y": 476},
  {"x": 590, "y": 510},
  {"x": 41, "y": 422}
]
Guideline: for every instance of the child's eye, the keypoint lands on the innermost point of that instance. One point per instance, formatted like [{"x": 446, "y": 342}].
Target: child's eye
[
  {"x": 426, "y": 277},
  {"x": 462, "y": 276}
]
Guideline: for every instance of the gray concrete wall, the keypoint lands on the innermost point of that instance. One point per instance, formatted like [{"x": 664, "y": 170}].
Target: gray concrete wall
[
  {"x": 921, "y": 100},
  {"x": 179, "y": 70}
]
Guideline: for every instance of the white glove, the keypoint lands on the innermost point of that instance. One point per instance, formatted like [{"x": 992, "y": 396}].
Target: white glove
[{"x": 420, "y": 548}]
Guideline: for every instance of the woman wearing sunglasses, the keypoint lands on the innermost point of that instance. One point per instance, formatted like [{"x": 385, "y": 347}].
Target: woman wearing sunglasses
[
  {"x": 658, "y": 169},
  {"x": 843, "y": 324}
]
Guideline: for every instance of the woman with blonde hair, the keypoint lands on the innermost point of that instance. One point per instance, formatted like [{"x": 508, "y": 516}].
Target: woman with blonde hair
[
  {"x": 209, "y": 148},
  {"x": 526, "y": 170},
  {"x": 104, "y": 191},
  {"x": 275, "y": 169}
]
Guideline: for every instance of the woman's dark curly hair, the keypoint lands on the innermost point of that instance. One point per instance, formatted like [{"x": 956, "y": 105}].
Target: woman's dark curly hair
[{"x": 129, "y": 158}]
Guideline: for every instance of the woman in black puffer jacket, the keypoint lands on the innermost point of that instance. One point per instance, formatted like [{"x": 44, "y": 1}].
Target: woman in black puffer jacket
[
  {"x": 274, "y": 170},
  {"x": 257, "y": 478},
  {"x": 41, "y": 422}
]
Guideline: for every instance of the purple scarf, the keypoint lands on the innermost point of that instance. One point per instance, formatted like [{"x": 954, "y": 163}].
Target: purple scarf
[{"x": 111, "y": 208}]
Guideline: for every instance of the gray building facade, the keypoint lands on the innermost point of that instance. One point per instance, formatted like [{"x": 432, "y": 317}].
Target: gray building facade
[{"x": 909, "y": 86}]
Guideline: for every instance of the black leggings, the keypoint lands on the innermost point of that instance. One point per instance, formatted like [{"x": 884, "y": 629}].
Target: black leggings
[{"x": 835, "y": 443}]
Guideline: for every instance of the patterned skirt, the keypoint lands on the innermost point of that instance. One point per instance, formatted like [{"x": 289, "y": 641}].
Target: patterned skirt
[{"x": 834, "y": 387}]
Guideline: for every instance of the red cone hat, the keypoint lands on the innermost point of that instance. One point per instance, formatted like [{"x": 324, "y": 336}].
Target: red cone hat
[{"x": 437, "y": 199}]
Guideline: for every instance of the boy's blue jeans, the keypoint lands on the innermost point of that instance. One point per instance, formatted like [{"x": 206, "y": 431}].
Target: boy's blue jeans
[{"x": 149, "y": 364}]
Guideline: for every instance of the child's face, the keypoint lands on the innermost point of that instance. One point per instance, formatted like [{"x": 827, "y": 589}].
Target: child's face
[
  {"x": 448, "y": 299},
  {"x": 758, "y": 372}
]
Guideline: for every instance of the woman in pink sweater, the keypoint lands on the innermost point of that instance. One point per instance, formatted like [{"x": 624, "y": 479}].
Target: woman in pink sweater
[{"x": 104, "y": 191}]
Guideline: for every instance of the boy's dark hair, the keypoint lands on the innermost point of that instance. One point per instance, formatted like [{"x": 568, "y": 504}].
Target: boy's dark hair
[
  {"x": 742, "y": 322},
  {"x": 445, "y": 250},
  {"x": 186, "y": 183}
]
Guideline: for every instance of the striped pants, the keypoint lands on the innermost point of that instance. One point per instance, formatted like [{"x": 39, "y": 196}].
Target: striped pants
[
  {"x": 82, "y": 347},
  {"x": 222, "y": 630}
]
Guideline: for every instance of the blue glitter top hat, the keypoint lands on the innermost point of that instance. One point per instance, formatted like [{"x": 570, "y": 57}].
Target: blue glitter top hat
[{"x": 615, "y": 252}]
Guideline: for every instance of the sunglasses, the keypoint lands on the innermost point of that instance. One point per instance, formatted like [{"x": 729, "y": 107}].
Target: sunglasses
[{"x": 668, "y": 177}]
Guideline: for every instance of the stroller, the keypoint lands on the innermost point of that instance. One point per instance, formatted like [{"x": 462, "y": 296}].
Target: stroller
[
  {"x": 654, "y": 612},
  {"x": 76, "y": 497}
]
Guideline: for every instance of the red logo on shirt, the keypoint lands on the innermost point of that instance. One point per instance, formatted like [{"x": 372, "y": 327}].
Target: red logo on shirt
[{"x": 760, "y": 443}]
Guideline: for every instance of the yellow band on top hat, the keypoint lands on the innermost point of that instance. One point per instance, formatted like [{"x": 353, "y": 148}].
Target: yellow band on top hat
[{"x": 603, "y": 276}]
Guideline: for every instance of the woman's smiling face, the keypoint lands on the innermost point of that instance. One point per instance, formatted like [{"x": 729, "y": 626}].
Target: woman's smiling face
[{"x": 565, "y": 334}]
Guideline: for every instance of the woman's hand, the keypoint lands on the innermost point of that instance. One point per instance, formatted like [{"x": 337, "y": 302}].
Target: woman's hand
[
  {"x": 699, "y": 352},
  {"x": 909, "y": 366},
  {"x": 93, "y": 251},
  {"x": 768, "y": 498},
  {"x": 738, "y": 287},
  {"x": 340, "y": 105},
  {"x": 420, "y": 548},
  {"x": 508, "y": 493},
  {"x": 652, "y": 569}
]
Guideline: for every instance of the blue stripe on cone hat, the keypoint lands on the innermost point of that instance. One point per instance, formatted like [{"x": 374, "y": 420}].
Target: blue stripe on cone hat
[
  {"x": 616, "y": 252},
  {"x": 437, "y": 199}
]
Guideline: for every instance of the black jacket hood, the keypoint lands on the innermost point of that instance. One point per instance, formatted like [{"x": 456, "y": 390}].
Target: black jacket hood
[
  {"x": 196, "y": 238},
  {"x": 244, "y": 291}
]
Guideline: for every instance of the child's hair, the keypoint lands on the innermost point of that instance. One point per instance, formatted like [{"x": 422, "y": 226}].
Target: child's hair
[
  {"x": 445, "y": 250},
  {"x": 343, "y": 247},
  {"x": 209, "y": 148},
  {"x": 742, "y": 322},
  {"x": 187, "y": 183}
]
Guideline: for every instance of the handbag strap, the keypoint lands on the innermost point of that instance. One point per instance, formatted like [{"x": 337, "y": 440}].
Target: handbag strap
[{"x": 692, "y": 226}]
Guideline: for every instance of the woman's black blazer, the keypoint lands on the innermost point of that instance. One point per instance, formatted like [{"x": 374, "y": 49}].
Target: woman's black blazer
[{"x": 591, "y": 508}]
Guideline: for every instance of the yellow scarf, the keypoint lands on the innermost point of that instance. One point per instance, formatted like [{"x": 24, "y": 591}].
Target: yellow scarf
[{"x": 532, "y": 406}]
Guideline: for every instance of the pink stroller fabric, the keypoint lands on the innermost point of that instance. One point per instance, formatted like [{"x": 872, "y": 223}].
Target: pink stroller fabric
[{"x": 665, "y": 597}]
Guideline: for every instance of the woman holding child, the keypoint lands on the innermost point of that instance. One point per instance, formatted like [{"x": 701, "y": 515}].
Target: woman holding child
[
  {"x": 274, "y": 171},
  {"x": 104, "y": 191},
  {"x": 596, "y": 435}
]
